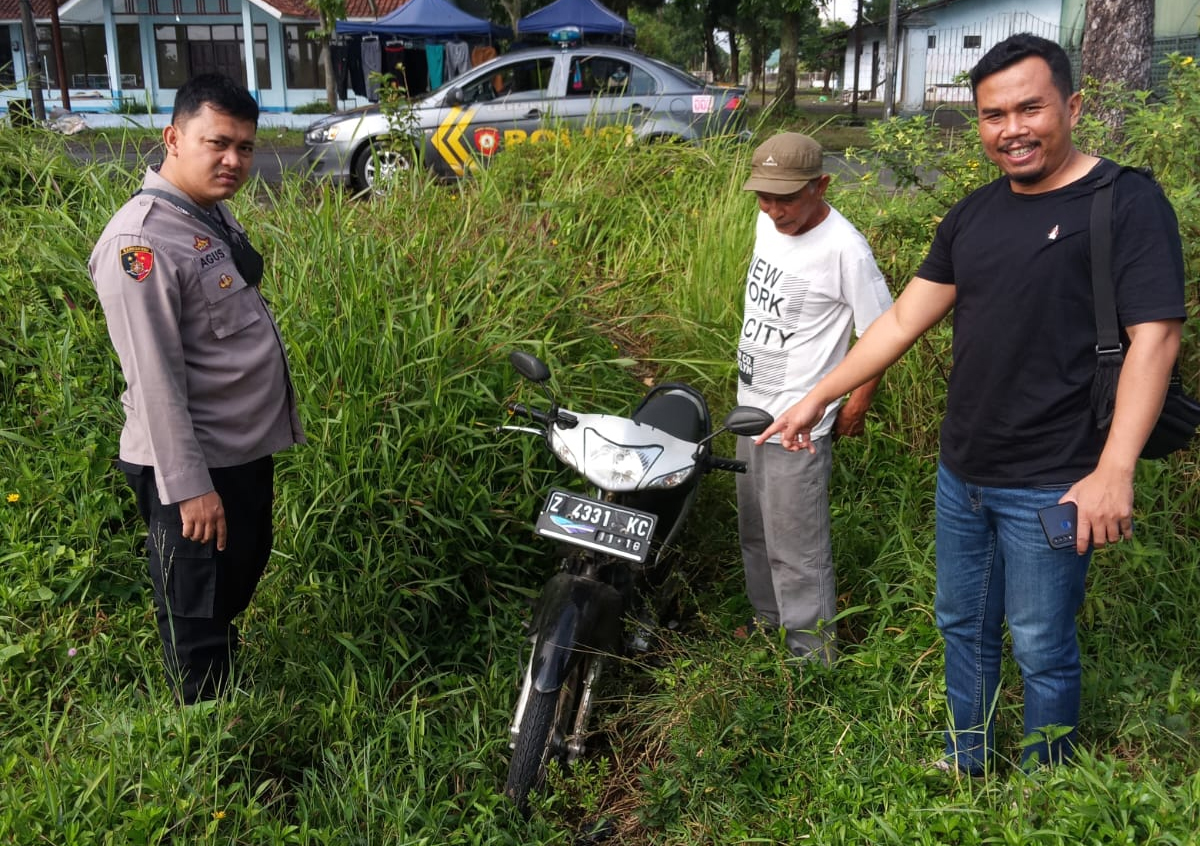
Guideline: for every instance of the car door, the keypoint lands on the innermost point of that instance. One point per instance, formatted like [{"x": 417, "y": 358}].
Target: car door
[
  {"x": 608, "y": 94},
  {"x": 499, "y": 105}
]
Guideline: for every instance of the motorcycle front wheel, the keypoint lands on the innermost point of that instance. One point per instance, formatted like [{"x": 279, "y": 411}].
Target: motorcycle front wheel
[{"x": 547, "y": 725}]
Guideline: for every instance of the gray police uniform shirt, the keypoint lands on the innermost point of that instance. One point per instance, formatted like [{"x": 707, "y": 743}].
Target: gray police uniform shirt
[{"x": 205, "y": 368}]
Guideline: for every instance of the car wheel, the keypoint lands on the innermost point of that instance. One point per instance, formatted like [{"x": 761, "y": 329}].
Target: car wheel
[{"x": 378, "y": 163}]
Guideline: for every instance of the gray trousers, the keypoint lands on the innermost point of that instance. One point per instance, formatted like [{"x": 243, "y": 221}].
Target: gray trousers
[{"x": 783, "y": 522}]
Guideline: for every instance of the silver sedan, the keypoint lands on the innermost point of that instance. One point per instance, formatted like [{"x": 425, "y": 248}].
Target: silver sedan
[{"x": 525, "y": 97}]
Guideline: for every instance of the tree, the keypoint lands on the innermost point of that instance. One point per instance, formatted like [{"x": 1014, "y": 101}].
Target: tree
[
  {"x": 789, "y": 49},
  {"x": 797, "y": 17},
  {"x": 822, "y": 52},
  {"x": 1117, "y": 39},
  {"x": 672, "y": 33},
  {"x": 512, "y": 8},
  {"x": 329, "y": 12}
]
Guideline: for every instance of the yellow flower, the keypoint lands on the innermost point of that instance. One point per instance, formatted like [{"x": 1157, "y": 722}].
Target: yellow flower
[
  {"x": 218, "y": 815},
  {"x": 14, "y": 497},
  {"x": 1187, "y": 60}
]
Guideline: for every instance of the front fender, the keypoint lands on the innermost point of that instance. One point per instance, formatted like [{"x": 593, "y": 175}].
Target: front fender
[{"x": 576, "y": 616}]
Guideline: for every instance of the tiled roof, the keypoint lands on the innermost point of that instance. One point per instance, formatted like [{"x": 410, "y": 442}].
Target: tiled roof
[
  {"x": 10, "y": 10},
  {"x": 362, "y": 9},
  {"x": 354, "y": 8}
]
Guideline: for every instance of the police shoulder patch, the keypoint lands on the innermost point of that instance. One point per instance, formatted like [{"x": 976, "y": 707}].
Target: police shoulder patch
[{"x": 137, "y": 262}]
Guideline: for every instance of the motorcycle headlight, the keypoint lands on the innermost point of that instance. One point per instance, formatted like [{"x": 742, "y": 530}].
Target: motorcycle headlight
[{"x": 617, "y": 467}]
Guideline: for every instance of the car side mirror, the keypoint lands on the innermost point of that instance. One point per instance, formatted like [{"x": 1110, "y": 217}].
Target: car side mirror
[{"x": 454, "y": 97}]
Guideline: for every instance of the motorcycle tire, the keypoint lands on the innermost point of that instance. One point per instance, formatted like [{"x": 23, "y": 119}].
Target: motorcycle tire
[{"x": 545, "y": 727}]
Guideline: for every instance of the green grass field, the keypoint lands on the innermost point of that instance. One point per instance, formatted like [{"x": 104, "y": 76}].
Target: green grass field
[{"x": 383, "y": 649}]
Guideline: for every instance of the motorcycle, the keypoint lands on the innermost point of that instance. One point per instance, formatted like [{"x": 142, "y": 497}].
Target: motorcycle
[{"x": 615, "y": 543}]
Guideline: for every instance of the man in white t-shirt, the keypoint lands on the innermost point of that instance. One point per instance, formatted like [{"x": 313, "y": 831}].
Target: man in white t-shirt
[{"x": 811, "y": 280}]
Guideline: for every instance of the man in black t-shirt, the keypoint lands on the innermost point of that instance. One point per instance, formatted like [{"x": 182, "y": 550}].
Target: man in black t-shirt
[{"x": 1012, "y": 261}]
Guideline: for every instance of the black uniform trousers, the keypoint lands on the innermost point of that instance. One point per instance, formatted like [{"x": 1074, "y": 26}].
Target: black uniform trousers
[{"x": 199, "y": 590}]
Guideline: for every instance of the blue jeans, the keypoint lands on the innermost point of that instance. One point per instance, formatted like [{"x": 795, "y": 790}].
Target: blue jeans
[{"x": 993, "y": 562}]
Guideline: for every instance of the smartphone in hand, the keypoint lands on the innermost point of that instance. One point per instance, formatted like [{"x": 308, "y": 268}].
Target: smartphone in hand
[{"x": 1058, "y": 522}]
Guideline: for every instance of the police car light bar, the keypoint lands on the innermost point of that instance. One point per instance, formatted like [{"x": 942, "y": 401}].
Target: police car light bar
[{"x": 566, "y": 36}]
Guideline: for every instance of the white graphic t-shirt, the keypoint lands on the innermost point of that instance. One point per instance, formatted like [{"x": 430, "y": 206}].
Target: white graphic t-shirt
[{"x": 804, "y": 293}]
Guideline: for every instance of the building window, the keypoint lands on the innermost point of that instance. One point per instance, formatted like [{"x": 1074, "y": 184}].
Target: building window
[
  {"x": 303, "y": 57},
  {"x": 84, "y": 49},
  {"x": 972, "y": 42},
  {"x": 932, "y": 42},
  {"x": 187, "y": 50},
  {"x": 7, "y": 76}
]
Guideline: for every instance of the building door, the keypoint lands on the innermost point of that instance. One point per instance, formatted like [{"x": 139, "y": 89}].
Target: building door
[{"x": 224, "y": 57}]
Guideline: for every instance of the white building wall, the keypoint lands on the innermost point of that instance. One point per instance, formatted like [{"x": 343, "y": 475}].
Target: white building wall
[
  {"x": 273, "y": 97},
  {"x": 960, "y": 32}
]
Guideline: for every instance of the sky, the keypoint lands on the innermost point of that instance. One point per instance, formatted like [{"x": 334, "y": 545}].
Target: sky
[{"x": 842, "y": 10}]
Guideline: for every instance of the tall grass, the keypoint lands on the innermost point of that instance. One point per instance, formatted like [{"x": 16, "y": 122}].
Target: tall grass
[{"x": 383, "y": 647}]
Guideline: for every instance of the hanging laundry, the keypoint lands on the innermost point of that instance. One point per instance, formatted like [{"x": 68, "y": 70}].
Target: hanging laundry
[
  {"x": 434, "y": 54},
  {"x": 372, "y": 63},
  {"x": 341, "y": 66},
  {"x": 354, "y": 66},
  {"x": 458, "y": 58},
  {"x": 416, "y": 71},
  {"x": 394, "y": 62},
  {"x": 481, "y": 54}
]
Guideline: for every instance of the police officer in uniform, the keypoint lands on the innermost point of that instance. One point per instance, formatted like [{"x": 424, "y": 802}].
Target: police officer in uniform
[{"x": 209, "y": 399}]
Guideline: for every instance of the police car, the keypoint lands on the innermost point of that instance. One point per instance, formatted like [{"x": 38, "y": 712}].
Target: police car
[{"x": 529, "y": 96}]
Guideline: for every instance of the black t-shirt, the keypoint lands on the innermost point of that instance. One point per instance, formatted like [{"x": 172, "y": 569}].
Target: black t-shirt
[{"x": 1018, "y": 411}]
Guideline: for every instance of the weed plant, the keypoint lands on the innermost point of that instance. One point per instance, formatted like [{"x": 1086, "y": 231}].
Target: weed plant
[{"x": 383, "y": 648}]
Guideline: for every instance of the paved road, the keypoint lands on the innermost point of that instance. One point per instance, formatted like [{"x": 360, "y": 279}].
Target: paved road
[{"x": 270, "y": 163}]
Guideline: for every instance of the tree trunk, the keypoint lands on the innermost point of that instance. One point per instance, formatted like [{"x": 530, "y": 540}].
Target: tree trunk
[
  {"x": 734, "y": 68},
  {"x": 756, "y": 63},
  {"x": 331, "y": 96},
  {"x": 712, "y": 55},
  {"x": 789, "y": 48},
  {"x": 1117, "y": 39},
  {"x": 513, "y": 7}
]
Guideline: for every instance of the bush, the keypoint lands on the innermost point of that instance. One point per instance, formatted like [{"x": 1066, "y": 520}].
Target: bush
[{"x": 316, "y": 107}]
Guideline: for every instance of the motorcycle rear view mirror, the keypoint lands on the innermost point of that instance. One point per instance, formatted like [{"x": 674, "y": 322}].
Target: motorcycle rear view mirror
[
  {"x": 529, "y": 366},
  {"x": 742, "y": 420},
  {"x": 747, "y": 420}
]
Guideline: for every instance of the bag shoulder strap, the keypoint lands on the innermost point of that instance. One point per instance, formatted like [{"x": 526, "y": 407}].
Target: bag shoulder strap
[
  {"x": 222, "y": 231},
  {"x": 1108, "y": 338}
]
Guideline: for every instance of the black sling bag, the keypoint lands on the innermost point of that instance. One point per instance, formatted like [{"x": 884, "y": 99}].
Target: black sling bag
[{"x": 1180, "y": 416}]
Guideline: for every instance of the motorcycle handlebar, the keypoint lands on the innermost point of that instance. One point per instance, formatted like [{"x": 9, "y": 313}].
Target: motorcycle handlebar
[
  {"x": 733, "y": 465},
  {"x": 531, "y": 413}
]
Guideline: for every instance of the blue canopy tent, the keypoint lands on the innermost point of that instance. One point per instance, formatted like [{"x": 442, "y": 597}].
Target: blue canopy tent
[
  {"x": 427, "y": 19},
  {"x": 588, "y": 15}
]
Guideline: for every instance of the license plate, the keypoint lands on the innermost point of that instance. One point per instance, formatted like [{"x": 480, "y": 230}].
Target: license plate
[{"x": 586, "y": 522}]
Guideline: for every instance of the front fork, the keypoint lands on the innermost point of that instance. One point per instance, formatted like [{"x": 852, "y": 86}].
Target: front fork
[
  {"x": 578, "y": 620},
  {"x": 574, "y": 742}
]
